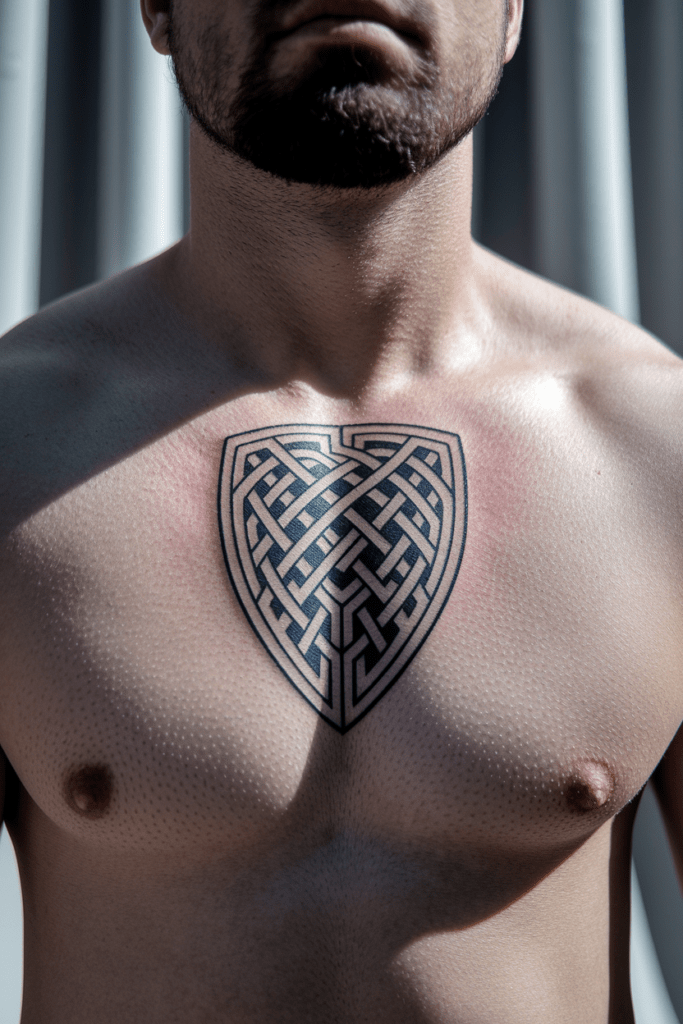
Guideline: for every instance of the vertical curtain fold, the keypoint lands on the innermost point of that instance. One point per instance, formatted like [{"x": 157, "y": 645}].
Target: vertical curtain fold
[
  {"x": 584, "y": 198},
  {"x": 23, "y": 63},
  {"x": 141, "y": 178},
  {"x": 654, "y": 35},
  {"x": 658, "y": 889},
  {"x": 71, "y": 165}
]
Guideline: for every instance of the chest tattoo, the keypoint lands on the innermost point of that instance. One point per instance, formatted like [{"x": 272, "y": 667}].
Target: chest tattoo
[{"x": 342, "y": 545}]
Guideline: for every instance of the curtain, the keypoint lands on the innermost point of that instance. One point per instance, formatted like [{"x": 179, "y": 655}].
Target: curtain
[{"x": 578, "y": 176}]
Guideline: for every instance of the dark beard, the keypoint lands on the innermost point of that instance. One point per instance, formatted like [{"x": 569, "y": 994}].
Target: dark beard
[{"x": 338, "y": 125}]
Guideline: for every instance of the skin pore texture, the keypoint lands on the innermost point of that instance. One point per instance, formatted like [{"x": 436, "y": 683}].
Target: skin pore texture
[{"x": 199, "y": 838}]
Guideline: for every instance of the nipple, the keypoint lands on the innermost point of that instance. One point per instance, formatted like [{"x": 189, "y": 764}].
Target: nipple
[
  {"x": 89, "y": 789},
  {"x": 590, "y": 787}
]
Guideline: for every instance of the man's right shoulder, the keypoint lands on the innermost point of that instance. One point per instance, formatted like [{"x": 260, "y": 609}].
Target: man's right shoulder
[
  {"x": 92, "y": 378},
  {"x": 42, "y": 375},
  {"x": 50, "y": 362},
  {"x": 62, "y": 383}
]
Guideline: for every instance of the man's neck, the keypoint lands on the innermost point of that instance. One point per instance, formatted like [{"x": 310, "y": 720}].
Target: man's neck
[{"x": 346, "y": 290}]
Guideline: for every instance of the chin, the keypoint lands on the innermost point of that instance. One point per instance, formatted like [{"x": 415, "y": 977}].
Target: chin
[
  {"x": 341, "y": 121},
  {"x": 339, "y": 124}
]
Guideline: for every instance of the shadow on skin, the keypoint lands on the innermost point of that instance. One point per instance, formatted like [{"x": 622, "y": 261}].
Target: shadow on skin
[
  {"x": 345, "y": 903},
  {"x": 76, "y": 398}
]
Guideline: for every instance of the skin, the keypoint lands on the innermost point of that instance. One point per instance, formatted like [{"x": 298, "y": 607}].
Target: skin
[{"x": 195, "y": 843}]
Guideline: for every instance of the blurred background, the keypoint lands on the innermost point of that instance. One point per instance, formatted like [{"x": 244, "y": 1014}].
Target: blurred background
[{"x": 578, "y": 177}]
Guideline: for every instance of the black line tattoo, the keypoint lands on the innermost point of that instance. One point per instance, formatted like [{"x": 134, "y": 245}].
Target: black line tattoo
[{"x": 342, "y": 545}]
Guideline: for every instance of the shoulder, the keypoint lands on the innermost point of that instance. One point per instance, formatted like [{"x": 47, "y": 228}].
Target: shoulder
[
  {"x": 619, "y": 372},
  {"x": 95, "y": 377},
  {"x": 66, "y": 383},
  {"x": 55, "y": 357},
  {"x": 561, "y": 321},
  {"x": 623, "y": 386}
]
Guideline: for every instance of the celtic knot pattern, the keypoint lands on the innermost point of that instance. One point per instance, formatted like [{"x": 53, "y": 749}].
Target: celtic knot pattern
[{"x": 342, "y": 545}]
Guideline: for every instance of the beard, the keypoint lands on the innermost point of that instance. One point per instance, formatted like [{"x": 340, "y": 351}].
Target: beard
[{"x": 339, "y": 122}]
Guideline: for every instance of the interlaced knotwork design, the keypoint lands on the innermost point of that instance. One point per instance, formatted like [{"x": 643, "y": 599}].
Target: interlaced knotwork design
[{"x": 343, "y": 544}]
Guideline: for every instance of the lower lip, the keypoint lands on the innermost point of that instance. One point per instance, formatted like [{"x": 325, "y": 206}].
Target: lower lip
[{"x": 348, "y": 30}]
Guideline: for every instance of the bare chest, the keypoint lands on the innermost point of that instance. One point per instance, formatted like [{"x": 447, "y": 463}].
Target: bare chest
[{"x": 502, "y": 670}]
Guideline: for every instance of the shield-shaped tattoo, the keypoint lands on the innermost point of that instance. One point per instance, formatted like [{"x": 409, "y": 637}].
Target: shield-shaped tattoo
[{"x": 342, "y": 545}]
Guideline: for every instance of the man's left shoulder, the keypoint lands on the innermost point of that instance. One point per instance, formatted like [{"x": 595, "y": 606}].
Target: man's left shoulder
[
  {"x": 625, "y": 381},
  {"x": 634, "y": 388},
  {"x": 630, "y": 392},
  {"x": 620, "y": 370}
]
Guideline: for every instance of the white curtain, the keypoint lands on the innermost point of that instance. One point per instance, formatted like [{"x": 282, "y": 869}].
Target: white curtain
[
  {"x": 584, "y": 201},
  {"x": 23, "y": 74},
  {"x": 141, "y": 146},
  {"x": 578, "y": 175}
]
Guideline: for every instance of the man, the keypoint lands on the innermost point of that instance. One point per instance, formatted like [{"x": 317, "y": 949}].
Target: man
[{"x": 341, "y": 575}]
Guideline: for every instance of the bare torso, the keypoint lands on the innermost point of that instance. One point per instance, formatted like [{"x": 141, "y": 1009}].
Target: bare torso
[{"x": 197, "y": 844}]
